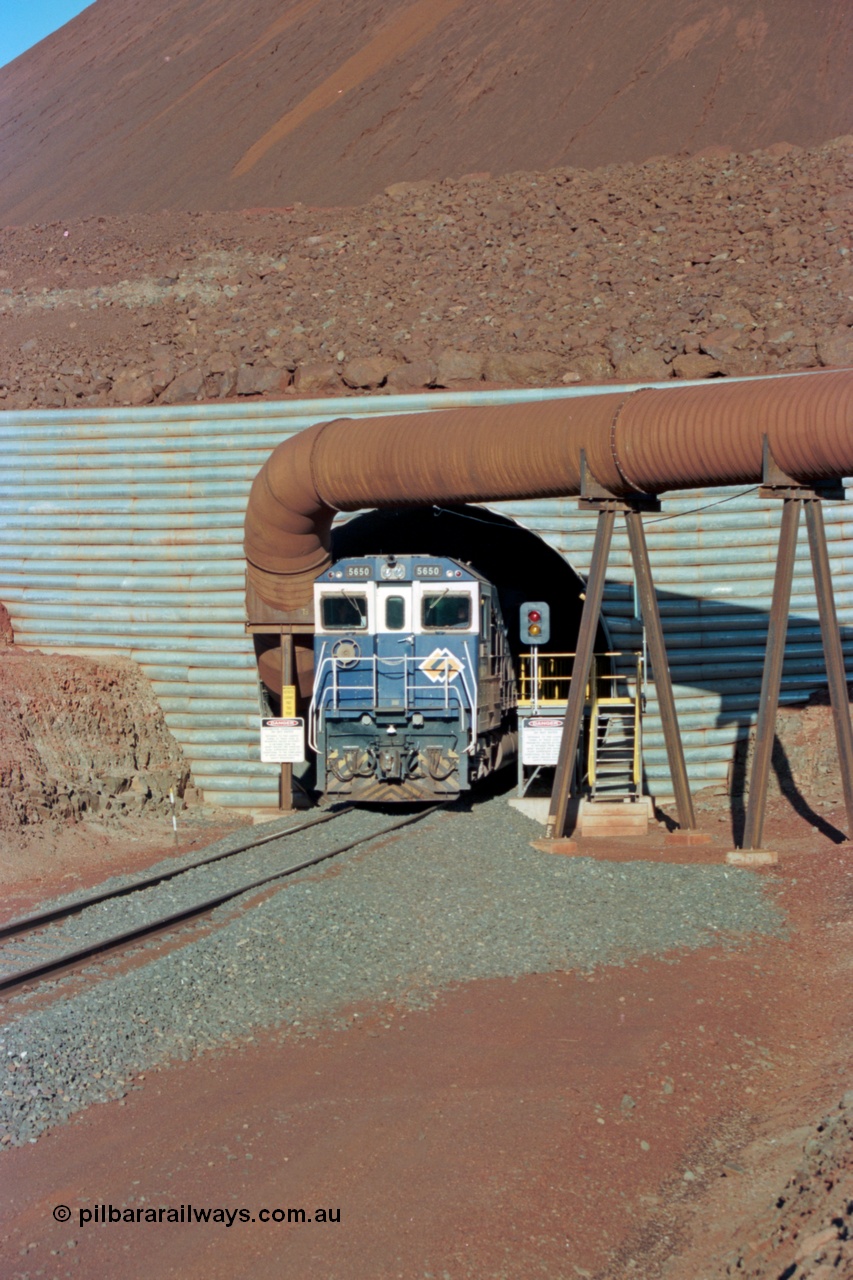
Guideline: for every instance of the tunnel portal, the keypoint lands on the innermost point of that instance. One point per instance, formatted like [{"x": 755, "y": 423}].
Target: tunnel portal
[{"x": 519, "y": 563}]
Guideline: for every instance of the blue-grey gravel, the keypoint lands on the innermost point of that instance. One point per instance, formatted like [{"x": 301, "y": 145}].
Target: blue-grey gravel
[{"x": 457, "y": 898}]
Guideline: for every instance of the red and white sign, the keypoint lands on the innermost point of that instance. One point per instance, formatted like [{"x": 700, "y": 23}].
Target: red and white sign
[
  {"x": 540, "y": 739},
  {"x": 283, "y": 741}
]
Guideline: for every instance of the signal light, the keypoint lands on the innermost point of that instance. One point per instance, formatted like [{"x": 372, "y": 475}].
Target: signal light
[{"x": 535, "y": 628}]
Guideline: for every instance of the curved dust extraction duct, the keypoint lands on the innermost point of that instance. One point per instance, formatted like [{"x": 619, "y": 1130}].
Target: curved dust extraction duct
[{"x": 647, "y": 441}]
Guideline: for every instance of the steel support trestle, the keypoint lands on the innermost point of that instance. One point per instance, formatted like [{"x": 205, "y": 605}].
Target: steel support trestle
[
  {"x": 771, "y": 680},
  {"x": 660, "y": 668},
  {"x": 833, "y": 653},
  {"x": 594, "y": 497},
  {"x": 580, "y": 674},
  {"x": 796, "y": 496}
]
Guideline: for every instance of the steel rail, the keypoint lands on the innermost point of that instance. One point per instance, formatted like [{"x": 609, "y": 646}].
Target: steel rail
[
  {"x": 104, "y": 945},
  {"x": 25, "y": 923}
]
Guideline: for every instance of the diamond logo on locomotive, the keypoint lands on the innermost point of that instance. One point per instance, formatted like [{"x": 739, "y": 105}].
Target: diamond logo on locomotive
[{"x": 441, "y": 665}]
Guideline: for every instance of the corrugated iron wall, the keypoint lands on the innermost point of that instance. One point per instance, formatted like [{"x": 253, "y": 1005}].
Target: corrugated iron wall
[{"x": 122, "y": 531}]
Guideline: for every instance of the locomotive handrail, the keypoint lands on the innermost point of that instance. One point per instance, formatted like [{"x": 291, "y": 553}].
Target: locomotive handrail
[
  {"x": 317, "y": 707},
  {"x": 472, "y": 701},
  {"x": 323, "y": 693}
]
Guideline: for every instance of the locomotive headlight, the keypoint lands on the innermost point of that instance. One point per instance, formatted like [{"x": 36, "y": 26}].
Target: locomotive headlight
[
  {"x": 392, "y": 571},
  {"x": 417, "y": 720},
  {"x": 365, "y": 719}
]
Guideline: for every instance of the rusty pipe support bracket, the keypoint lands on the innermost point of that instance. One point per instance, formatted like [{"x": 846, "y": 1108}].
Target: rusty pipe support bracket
[
  {"x": 836, "y": 676},
  {"x": 771, "y": 677},
  {"x": 660, "y": 669},
  {"x": 573, "y": 720},
  {"x": 595, "y": 497},
  {"x": 775, "y": 483}
]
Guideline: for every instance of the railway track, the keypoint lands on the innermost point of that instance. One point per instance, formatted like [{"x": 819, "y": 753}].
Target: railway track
[{"x": 27, "y": 933}]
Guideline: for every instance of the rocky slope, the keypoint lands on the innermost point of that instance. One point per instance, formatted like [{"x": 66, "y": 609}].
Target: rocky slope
[{"x": 719, "y": 265}]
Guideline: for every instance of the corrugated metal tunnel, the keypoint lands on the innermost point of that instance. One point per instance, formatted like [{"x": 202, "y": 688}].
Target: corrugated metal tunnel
[{"x": 121, "y": 530}]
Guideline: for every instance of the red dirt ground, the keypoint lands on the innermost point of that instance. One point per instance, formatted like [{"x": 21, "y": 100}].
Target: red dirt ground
[
  {"x": 537, "y": 1127},
  {"x": 43, "y": 863}
]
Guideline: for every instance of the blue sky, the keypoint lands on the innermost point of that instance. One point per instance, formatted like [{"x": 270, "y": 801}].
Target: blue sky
[{"x": 25, "y": 22}]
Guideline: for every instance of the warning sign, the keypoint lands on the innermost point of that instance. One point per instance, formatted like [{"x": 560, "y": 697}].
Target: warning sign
[
  {"x": 540, "y": 739},
  {"x": 283, "y": 741},
  {"x": 288, "y": 701}
]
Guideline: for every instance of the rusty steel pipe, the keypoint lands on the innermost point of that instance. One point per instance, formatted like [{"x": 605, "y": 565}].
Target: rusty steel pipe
[{"x": 647, "y": 441}]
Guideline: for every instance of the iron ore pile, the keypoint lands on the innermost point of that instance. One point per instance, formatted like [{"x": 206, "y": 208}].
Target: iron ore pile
[
  {"x": 807, "y": 1231},
  {"x": 81, "y": 738},
  {"x": 722, "y": 264},
  {"x": 458, "y": 897}
]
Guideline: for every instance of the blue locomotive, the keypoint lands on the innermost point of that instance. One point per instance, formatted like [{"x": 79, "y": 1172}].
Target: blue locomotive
[{"x": 414, "y": 693}]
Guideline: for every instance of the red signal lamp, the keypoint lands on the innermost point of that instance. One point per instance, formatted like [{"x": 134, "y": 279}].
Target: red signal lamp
[{"x": 535, "y": 623}]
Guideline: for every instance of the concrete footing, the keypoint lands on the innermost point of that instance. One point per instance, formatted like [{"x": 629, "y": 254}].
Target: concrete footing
[
  {"x": 555, "y": 846},
  {"x": 536, "y": 808},
  {"x": 752, "y": 858},
  {"x": 687, "y": 838},
  {"x": 604, "y": 818},
  {"x": 259, "y": 816}
]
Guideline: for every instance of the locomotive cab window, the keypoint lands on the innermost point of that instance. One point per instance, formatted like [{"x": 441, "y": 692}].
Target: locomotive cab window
[
  {"x": 446, "y": 611},
  {"x": 395, "y": 613},
  {"x": 344, "y": 612}
]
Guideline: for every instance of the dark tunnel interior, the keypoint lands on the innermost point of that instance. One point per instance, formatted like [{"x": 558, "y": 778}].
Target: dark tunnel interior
[{"x": 519, "y": 563}]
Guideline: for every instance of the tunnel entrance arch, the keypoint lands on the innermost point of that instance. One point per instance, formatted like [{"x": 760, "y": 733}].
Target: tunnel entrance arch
[{"x": 520, "y": 564}]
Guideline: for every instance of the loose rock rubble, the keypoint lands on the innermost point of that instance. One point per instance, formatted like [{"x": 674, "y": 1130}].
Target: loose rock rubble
[
  {"x": 80, "y": 738},
  {"x": 807, "y": 1234},
  {"x": 804, "y": 764},
  {"x": 720, "y": 265}
]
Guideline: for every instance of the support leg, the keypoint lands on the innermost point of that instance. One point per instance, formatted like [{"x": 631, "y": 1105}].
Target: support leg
[
  {"x": 833, "y": 653},
  {"x": 285, "y": 792},
  {"x": 660, "y": 668},
  {"x": 577, "y": 689},
  {"x": 765, "y": 730}
]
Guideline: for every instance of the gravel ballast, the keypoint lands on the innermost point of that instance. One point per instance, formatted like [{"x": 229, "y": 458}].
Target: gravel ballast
[
  {"x": 189, "y": 886},
  {"x": 460, "y": 897}
]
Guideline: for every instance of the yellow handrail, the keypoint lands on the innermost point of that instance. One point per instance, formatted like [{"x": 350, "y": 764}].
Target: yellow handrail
[
  {"x": 552, "y": 673},
  {"x": 597, "y": 702},
  {"x": 555, "y": 675}
]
